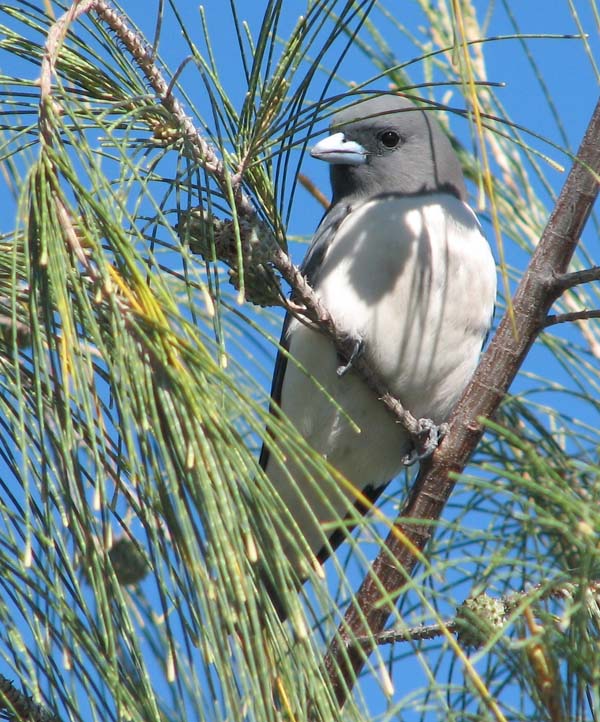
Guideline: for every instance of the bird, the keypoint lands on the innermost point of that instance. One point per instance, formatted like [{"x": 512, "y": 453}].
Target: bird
[{"x": 401, "y": 263}]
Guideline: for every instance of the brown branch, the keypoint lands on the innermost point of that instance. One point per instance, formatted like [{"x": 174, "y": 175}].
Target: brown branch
[
  {"x": 554, "y": 319},
  {"x": 504, "y": 606},
  {"x": 577, "y": 278},
  {"x": 368, "y": 613},
  {"x": 413, "y": 634},
  {"x": 17, "y": 705}
]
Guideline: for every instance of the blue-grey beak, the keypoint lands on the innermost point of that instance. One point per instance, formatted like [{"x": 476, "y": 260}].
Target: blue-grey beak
[{"x": 335, "y": 149}]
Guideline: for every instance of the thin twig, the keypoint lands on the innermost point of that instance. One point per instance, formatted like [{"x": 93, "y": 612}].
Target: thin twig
[
  {"x": 314, "y": 191},
  {"x": 48, "y": 109},
  {"x": 413, "y": 634},
  {"x": 510, "y": 602},
  {"x": 570, "y": 317},
  {"x": 144, "y": 56},
  {"x": 577, "y": 278},
  {"x": 52, "y": 46}
]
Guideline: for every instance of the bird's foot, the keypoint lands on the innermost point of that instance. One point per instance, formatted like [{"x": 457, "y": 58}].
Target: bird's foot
[
  {"x": 425, "y": 441},
  {"x": 357, "y": 349}
]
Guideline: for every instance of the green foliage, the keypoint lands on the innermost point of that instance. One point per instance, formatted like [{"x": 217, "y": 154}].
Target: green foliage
[{"x": 136, "y": 530}]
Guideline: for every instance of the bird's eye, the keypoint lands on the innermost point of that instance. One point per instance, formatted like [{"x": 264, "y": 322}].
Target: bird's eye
[{"x": 389, "y": 138}]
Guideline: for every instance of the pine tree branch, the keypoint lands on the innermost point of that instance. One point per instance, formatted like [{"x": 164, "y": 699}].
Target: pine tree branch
[
  {"x": 368, "y": 613},
  {"x": 312, "y": 308},
  {"x": 506, "y": 605},
  {"x": 557, "y": 318},
  {"x": 577, "y": 278},
  {"x": 18, "y": 706}
]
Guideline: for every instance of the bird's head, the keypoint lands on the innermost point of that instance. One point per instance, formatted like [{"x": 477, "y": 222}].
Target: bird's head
[{"x": 387, "y": 145}]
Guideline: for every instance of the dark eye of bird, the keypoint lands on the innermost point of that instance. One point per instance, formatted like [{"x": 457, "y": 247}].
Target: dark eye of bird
[{"x": 390, "y": 138}]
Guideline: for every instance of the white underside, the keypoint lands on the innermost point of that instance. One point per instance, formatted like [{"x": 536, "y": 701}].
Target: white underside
[{"x": 416, "y": 280}]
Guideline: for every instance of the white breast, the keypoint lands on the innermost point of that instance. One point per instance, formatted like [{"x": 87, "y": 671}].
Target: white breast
[{"x": 414, "y": 278}]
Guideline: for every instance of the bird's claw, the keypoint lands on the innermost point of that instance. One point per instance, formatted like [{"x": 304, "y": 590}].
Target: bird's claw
[
  {"x": 357, "y": 349},
  {"x": 425, "y": 441}
]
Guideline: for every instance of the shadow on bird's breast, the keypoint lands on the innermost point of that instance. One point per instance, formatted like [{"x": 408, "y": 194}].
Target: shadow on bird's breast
[{"x": 386, "y": 250}]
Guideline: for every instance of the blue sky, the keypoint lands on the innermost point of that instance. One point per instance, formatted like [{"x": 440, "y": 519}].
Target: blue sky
[{"x": 566, "y": 69}]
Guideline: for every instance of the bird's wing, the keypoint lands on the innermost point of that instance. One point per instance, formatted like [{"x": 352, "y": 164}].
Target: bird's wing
[
  {"x": 324, "y": 236},
  {"x": 310, "y": 267},
  {"x": 277, "y": 384}
]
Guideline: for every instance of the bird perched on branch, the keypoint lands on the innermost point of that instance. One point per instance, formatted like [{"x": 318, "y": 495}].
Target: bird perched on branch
[{"x": 400, "y": 262}]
